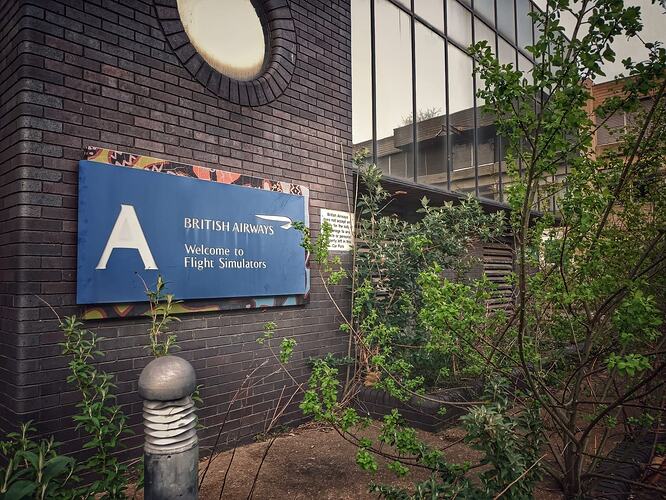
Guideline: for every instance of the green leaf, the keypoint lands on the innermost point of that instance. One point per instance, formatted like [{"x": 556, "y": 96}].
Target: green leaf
[
  {"x": 20, "y": 490},
  {"x": 56, "y": 466},
  {"x": 30, "y": 457},
  {"x": 366, "y": 461}
]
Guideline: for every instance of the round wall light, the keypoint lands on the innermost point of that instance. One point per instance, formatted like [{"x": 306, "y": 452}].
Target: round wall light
[
  {"x": 229, "y": 35},
  {"x": 241, "y": 50}
]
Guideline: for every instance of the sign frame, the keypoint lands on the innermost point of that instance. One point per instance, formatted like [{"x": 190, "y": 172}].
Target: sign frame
[{"x": 136, "y": 161}]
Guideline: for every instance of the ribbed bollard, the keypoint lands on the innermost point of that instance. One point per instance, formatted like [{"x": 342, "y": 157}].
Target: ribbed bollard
[{"x": 171, "y": 450}]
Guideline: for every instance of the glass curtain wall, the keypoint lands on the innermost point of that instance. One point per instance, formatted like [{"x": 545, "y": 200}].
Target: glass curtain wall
[
  {"x": 393, "y": 86},
  {"x": 431, "y": 111},
  {"x": 361, "y": 48},
  {"x": 486, "y": 136},
  {"x": 413, "y": 90}
]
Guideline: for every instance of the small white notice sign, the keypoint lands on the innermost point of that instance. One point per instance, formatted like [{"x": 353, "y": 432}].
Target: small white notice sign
[{"x": 343, "y": 229}]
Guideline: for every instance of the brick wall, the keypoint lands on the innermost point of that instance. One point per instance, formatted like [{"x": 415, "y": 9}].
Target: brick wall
[
  {"x": 12, "y": 180},
  {"x": 93, "y": 72}
]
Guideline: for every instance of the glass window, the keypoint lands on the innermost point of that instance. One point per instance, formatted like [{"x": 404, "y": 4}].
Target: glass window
[
  {"x": 486, "y": 138},
  {"x": 538, "y": 29},
  {"x": 523, "y": 8},
  {"x": 525, "y": 65},
  {"x": 501, "y": 157},
  {"x": 488, "y": 154},
  {"x": 228, "y": 35},
  {"x": 459, "y": 22},
  {"x": 467, "y": 155},
  {"x": 507, "y": 54},
  {"x": 506, "y": 21},
  {"x": 611, "y": 128},
  {"x": 461, "y": 119},
  {"x": 483, "y": 32},
  {"x": 486, "y": 141},
  {"x": 486, "y": 9},
  {"x": 361, "y": 76},
  {"x": 394, "y": 90},
  {"x": 431, "y": 107},
  {"x": 637, "y": 117},
  {"x": 432, "y": 11}
]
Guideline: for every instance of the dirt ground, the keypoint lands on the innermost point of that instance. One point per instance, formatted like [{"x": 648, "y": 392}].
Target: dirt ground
[{"x": 313, "y": 462}]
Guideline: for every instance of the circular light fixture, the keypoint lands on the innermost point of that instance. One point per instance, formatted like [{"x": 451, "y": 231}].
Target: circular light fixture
[
  {"x": 228, "y": 34},
  {"x": 244, "y": 51}
]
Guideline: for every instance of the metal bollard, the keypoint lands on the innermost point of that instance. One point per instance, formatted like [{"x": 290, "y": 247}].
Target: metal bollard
[{"x": 171, "y": 449}]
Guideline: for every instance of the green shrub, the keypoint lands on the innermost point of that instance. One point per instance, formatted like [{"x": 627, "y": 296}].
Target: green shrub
[{"x": 35, "y": 470}]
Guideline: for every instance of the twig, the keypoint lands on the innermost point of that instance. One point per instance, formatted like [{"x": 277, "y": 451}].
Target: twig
[
  {"x": 226, "y": 472},
  {"x": 224, "y": 420},
  {"x": 263, "y": 459},
  {"x": 50, "y": 307},
  {"x": 518, "y": 478}
]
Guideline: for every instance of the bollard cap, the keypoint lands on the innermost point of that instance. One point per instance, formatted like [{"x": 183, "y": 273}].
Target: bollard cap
[{"x": 167, "y": 378}]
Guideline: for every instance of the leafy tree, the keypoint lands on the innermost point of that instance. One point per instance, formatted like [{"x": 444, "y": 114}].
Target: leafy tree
[
  {"x": 586, "y": 322},
  {"x": 584, "y": 340}
]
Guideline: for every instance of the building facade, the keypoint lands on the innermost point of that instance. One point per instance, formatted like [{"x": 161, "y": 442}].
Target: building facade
[
  {"x": 79, "y": 79},
  {"x": 140, "y": 84},
  {"x": 410, "y": 60}
]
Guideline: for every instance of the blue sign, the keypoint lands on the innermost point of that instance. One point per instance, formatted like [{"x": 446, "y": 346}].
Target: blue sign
[{"x": 206, "y": 239}]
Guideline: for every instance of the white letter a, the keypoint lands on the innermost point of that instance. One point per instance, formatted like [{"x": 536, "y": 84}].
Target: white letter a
[{"x": 127, "y": 233}]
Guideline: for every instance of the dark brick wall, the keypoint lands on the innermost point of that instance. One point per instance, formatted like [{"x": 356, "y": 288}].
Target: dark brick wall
[
  {"x": 18, "y": 172},
  {"x": 98, "y": 72}
]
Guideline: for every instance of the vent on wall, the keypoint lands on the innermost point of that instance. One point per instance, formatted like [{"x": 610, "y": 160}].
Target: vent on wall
[
  {"x": 495, "y": 260},
  {"x": 497, "y": 266}
]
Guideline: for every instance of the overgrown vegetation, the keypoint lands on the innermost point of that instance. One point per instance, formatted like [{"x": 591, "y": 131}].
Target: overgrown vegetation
[
  {"x": 37, "y": 470},
  {"x": 407, "y": 313},
  {"x": 422, "y": 115},
  {"x": 400, "y": 273},
  {"x": 583, "y": 342},
  {"x": 161, "y": 314},
  {"x": 99, "y": 416}
]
